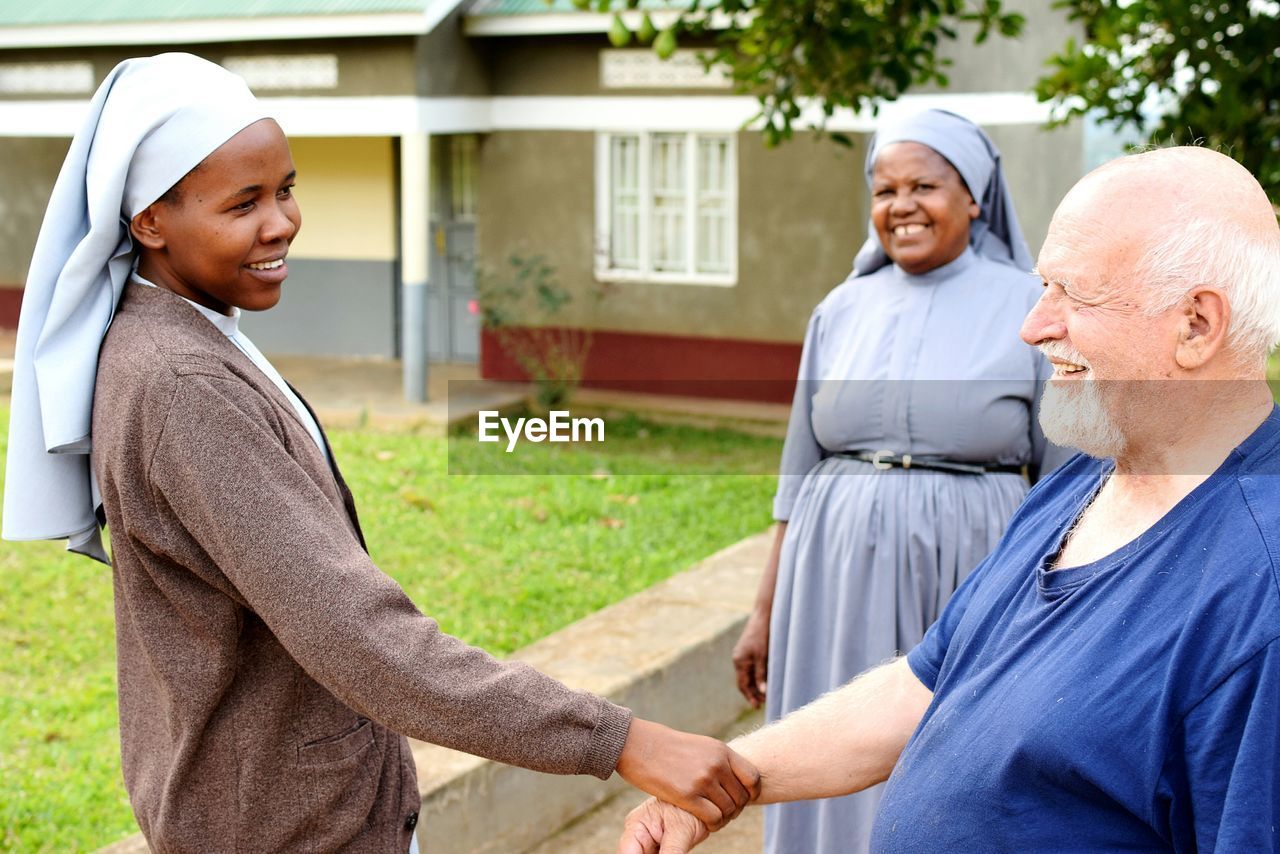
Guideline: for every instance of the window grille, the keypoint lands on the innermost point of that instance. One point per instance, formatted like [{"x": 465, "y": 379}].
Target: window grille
[
  {"x": 53, "y": 78},
  {"x": 462, "y": 173},
  {"x": 667, "y": 207},
  {"x": 308, "y": 71}
]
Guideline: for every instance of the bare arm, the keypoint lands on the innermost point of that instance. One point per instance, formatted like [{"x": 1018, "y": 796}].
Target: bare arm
[
  {"x": 751, "y": 653},
  {"x": 842, "y": 742}
]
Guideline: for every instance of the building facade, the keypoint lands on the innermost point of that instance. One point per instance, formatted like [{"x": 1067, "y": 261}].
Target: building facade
[{"x": 436, "y": 140}]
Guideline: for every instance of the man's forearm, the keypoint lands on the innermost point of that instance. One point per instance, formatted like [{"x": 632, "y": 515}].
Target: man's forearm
[{"x": 842, "y": 742}]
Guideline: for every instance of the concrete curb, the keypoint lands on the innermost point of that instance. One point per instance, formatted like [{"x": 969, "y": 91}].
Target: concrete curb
[{"x": 664, "y": 652}]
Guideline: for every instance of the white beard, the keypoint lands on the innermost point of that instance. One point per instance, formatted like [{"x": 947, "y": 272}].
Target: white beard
[{"x": 1074, "y": 415}]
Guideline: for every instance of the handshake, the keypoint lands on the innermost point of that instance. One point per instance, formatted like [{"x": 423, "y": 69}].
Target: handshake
[
  {"x": 843, "y": 742},
  {"x": 699, "y": 785}
]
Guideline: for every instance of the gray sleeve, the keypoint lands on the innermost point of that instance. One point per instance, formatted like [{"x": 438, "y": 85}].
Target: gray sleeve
[{"x": 801, "y": 451}]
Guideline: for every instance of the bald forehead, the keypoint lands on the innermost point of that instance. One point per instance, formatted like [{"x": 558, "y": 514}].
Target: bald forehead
[
  {"x": 1119, "y": 209},
  {"x": 1100, "y": 226},
  {"x": 1176, "y": 185}
]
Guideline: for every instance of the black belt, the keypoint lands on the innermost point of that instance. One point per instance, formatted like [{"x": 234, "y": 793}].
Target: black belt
[{"x": 890, "y": 460}]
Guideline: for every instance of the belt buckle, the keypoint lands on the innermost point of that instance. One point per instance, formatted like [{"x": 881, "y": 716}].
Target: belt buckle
[{"x": 877, "y": 460}]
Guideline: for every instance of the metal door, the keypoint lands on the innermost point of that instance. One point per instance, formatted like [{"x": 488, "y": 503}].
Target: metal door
[{"x": 452, "y": 317}]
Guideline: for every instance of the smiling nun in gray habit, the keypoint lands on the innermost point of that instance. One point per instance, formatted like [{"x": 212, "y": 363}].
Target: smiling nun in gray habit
[
  {"x": 913, "y": 417},
  {"x": 268, "y": 671}
]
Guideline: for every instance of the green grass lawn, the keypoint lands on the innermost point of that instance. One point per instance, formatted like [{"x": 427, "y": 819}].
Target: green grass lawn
[{"x": 498, "y": 559}]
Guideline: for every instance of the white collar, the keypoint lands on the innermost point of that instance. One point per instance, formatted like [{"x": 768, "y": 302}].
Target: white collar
[{"x": 229, "y": 325}]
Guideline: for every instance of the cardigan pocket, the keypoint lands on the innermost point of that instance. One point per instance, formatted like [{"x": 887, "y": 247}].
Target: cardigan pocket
[
  {"x": 337, "y": 747},
  {"x": 339, "y": 778}
]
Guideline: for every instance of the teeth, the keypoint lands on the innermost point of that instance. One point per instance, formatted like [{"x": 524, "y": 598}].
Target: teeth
[
  {"x": 1062, "y": 370},
  {"x": 910, "y": 228},
  {"x": 267, "y": 265}
]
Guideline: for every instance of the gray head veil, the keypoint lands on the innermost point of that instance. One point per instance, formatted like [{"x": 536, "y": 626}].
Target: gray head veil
[
  {"x": 995, "y": 234},
  {"x": 150, "y": 122}
]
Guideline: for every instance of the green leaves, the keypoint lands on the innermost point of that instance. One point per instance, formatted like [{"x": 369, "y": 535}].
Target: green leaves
[
  {"x": 619, "y": 34},
  {"x": 524, "y": 306},
  {"x": 665, "y": 44},
  {"x": 1183, "y": 73},
  {"x": 835, "y": 53},
  {"x": 1216, "y": 64},
  {"x": 646, "y": 31}
]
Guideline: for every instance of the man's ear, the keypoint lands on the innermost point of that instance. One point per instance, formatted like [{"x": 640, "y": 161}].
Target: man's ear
[
  {"x": 145, "y": 228},
  {"x": 1202, "y": 332}
]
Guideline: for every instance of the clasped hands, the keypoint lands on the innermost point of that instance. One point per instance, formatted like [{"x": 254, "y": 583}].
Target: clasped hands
[{"x": 703, "y": 783}]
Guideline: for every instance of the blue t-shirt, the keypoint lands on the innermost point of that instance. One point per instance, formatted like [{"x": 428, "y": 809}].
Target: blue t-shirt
[{"x": 1132, "y": 704}]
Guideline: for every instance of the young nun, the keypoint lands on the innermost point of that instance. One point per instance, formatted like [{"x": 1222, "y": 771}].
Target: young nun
[{"x": 268, "y": 671}]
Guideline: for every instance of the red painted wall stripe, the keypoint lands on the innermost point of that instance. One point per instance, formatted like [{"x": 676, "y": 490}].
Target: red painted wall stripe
[
  {"x": 721, "y": 368},
  {"x": 10, "y": 305}
]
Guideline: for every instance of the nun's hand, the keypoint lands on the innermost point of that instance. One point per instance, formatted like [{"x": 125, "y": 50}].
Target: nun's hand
[
  {"x": 700, "y": 775},
  {"x": 751, "y": 658}
]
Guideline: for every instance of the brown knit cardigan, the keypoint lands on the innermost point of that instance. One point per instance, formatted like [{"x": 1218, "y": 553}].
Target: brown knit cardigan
[{"x": 265, "y": 664}]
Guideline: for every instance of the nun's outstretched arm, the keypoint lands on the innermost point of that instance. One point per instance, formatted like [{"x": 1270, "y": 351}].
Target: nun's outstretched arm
[{"x": 225, "y": 485}]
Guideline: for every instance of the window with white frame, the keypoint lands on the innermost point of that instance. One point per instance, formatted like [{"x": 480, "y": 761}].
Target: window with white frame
[{"x": 666, "y": 207}]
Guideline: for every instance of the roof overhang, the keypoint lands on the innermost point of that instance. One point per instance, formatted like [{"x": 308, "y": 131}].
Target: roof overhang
[
  {"x": 396, "y": 115},
  {"x": 213, "y": 30}
]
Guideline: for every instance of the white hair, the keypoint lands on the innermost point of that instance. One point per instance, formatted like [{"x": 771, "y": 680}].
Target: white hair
[{"x": 1220, "y": 254}]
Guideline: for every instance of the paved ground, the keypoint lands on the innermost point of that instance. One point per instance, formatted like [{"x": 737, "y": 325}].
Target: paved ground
[{"x": 349, "y": 391}]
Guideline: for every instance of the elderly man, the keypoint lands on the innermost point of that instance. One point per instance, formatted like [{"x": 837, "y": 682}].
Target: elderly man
[{"x": 1109, "y": 678}]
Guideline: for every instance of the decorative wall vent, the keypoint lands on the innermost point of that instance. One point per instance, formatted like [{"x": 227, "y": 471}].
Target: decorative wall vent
[
  {"x": 643, "y": 69},
  {"x": 310, "y": 71},
  {"x": 46, "y": 78}
]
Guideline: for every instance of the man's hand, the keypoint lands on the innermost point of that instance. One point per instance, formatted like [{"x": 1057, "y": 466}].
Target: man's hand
[
  {"x": 658, "y": 828},
  {"x": 700, "y": 775}
]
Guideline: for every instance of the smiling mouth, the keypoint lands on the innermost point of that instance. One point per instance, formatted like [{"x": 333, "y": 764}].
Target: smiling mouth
[
  {"x": 266, "y": 265},
  {"x": 1063, "y": 369},
  {"x": 908, "y": 229}
]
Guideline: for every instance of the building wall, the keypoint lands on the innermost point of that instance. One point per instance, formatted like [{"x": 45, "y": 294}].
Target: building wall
[
  {"x": 1040, "y": 166},
  {"x": 343, "y": 266},
  {"x": 802, "y": 208},
  {"x": 798, "y": 229},
  {"x": 28, "y": 170},
  {"x": 373, "y": 66},
  {"x": 448, "y": 63},
  {"x": 801, "y": 218},
  {"x": 558, "y": 65},
  {"x": 340, "y": 296},
  {"x": 1007, "y": 65}
]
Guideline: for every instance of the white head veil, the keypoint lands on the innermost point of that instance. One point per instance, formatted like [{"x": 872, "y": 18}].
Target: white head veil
[
  {"x": 995, "y": 234},
  {"x": 150, "y": 122}
]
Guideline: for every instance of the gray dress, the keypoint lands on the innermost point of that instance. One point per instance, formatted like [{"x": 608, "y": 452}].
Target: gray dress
[{"x": 928, "y": 364}]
